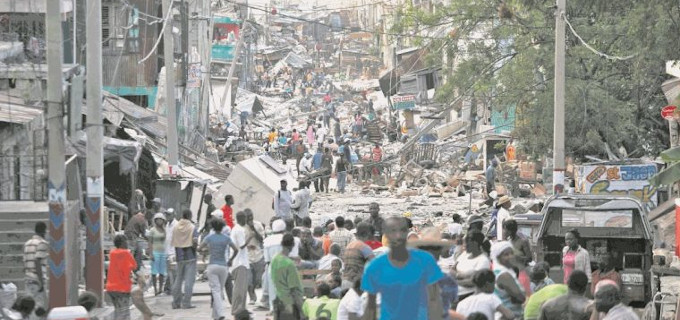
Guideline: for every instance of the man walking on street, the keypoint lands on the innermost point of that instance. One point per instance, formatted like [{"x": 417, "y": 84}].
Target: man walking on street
[
  {"x": 327, "y": 165},
  {"x": 490, "y": 175},
  {"x": 286, "y": 281},
  {"x": 301, "y": 201},
  {"x": 240, "y": 268},
  {"x": 172, "y": 220},
  {"x": 282, "y": 201},
  {"x": 36, "y": 252},
  {"x": 210, "y": 207},
  {"x": 118, "y": 283},
  {"x": 357, "y": 254},
  {"x": 254, "y": 232},
  {"x": 341, "y": 172},
  {"x": 185, "y": 241},
  {"x": 376, "y": 220},
  {"x": 135, "y": 230},
  {"x": 316, "y": 165},
  {"x": 400, "y": 276}
]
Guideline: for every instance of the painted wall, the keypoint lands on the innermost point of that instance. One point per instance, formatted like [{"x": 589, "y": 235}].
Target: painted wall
[
  {"x": 503, "y": 121},
  {"x": 150, "y": 92}
]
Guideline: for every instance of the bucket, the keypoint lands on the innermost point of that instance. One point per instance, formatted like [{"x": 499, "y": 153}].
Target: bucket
[{"x": 68, "y": 313}]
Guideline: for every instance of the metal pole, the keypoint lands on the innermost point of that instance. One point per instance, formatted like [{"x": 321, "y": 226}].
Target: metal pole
[
  {"x": 207, "y": 63},
  {"x": 170, "y": 98},
  {"x": 56, "y": 184},
  {"x": 558, "y": 129},
  {"x": 94, "y": 258},
  {"x": 75, "y": 28}
]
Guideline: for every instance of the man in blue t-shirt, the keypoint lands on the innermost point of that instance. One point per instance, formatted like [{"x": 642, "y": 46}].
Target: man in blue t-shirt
[{"x": 400, "y": 276}]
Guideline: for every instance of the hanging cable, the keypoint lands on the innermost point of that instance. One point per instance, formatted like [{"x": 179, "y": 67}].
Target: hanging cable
[
  {"x": 155, "y": 46},
  {"x": 595, "y": 51}
]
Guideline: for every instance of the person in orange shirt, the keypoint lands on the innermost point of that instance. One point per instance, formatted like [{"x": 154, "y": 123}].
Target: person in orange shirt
[
  {"x": 118, "y": 282},
  {"x": 326, "y": 240},
  {"x": 510, "y": 152}
]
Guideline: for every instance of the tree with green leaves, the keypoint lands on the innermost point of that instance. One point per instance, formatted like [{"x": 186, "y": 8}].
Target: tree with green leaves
[{"x": 504, "y": 52}]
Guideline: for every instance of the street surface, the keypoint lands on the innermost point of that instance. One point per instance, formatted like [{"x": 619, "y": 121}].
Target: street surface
[{"x": 201, "y": 299}]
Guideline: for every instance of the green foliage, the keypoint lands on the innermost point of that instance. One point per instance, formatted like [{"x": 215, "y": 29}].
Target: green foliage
[{"x": 505, "y": 52}]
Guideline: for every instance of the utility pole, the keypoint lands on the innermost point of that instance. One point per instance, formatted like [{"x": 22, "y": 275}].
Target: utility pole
[
  {"x": 94, "y": 259},
  {"x": 558, "y": 129},
  {"x": 170, "y": 99},
  {"x": 185, "y": 104},
  {"x": 56, "y": 183},
  {"x": 206, "y": 61}
]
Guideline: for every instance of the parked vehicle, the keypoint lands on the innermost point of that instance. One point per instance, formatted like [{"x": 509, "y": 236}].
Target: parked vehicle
[{"x": 617, "y": 225}]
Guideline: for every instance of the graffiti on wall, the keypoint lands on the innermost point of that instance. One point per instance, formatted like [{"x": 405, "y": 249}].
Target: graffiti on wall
[{"x": 631, "y": 180}]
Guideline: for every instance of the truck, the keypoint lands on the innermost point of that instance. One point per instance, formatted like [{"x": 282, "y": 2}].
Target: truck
[{"x": 617, "y": 225}]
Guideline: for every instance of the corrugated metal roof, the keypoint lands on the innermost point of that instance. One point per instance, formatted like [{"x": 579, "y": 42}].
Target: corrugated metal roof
[{"x": 148, "y": 120}]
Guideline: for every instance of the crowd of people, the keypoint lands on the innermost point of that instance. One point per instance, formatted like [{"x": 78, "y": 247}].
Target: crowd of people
[{"x": 373, "y": 267}]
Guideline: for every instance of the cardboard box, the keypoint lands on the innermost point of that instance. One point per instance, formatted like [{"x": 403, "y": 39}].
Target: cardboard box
[{"x": 527, "y": 170}]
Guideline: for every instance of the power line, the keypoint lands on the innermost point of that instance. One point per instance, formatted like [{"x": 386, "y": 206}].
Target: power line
[
  {"x": 165, "y": 24},
  {"x": 595, "y": 51},
  {"x": 342, "y": 28},
  {"x": 342, "y": 8}
]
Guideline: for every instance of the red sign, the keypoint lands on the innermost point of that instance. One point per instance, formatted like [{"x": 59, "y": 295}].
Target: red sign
[{"x": 667, "y": 112}]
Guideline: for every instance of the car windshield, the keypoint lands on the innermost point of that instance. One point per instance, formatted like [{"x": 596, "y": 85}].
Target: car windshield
[{"x": 597, "y": 219}]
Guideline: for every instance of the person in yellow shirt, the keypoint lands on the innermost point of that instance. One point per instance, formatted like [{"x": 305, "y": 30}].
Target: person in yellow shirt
[
  {"x": 272, "y": 135},
  {"x": 322, "y": 306}
]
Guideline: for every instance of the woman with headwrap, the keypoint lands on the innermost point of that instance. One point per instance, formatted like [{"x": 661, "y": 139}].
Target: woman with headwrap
[{"x": 508, "y": 288}]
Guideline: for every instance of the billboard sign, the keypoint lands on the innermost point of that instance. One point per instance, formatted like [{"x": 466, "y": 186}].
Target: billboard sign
[{"x": 631, "y": 180}]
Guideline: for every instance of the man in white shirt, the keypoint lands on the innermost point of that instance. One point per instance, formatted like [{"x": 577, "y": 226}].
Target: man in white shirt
[
  {"x": 333, "y": 254},
  {"x": 283, "y": 198},
  {"x": 503, "y": 213},
  {"x": 321, "y": 132},
  {"x": 301, "y": 201},
  {"x": 240, "y": 266},
  {"x": 353, "y": 303},
  {"x": 484, "y": 300},
  {"x": 456, "y": 228},
  {"x": 271, "y": 247},
  {"x": 306, "y": 165}
]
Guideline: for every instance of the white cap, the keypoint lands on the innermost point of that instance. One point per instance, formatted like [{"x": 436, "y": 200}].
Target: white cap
[
  {"x": 278, "y": 226},
  {"x": 217, "y": 214}
]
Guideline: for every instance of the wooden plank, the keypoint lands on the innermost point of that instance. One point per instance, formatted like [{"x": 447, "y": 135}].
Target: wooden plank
[{"x": 313, "y": 272}]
